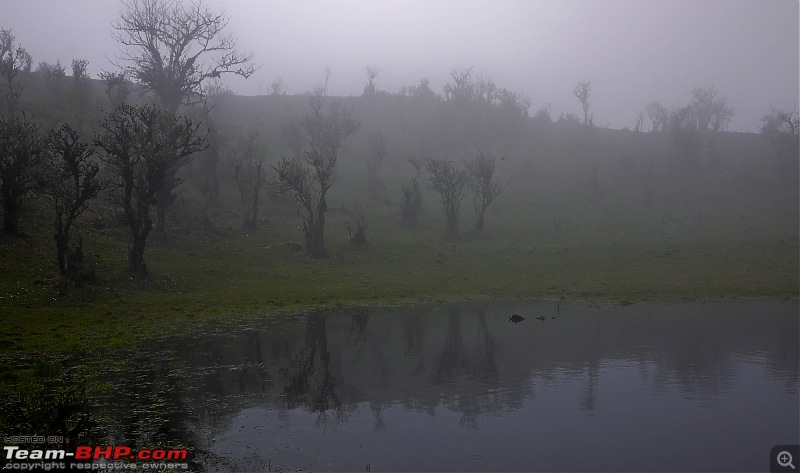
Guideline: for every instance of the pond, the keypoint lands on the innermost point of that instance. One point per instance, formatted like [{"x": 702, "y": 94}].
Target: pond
[{"x": 646, "y": 387}]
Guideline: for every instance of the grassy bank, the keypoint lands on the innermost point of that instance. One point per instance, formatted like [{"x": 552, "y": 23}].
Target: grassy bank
[
  {"x": 202, "y": 275},
  {"x": 595, "y": 215}
]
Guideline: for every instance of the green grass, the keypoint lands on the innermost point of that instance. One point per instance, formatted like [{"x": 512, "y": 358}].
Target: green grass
[{"x": 202, "y": 276}]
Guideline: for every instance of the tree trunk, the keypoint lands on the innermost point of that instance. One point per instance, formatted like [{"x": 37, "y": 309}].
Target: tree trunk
[
  {"x": 161, "y": 215},
  {"x": 165, "y": 197},
  {"x": 315, "y": 245},
  {"x": 452, "y": 222},
  {"x": 214, "y": 185},
  {"x": 138, "y": 243},
  {"x": 479, "y": 222},
  {"x": 136, "y": 256},
  {"x": 254, "y": 215},
  {"x": 315, "y": 242},
  {"x": 9, "y": 214},
  {"x": 315, "y": 231},
  {"x": 62, "y": 252}
]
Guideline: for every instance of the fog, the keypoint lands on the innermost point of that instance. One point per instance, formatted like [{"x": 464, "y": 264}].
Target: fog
[
  {"x": 632, "y": 51},
  {"x": 554, "y": 169}
]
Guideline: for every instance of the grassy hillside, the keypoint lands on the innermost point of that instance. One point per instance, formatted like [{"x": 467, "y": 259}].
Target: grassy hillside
[{"x": 588, "y": 214}]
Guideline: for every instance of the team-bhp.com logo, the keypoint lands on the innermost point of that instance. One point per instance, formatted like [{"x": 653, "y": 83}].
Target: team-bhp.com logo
[{"x": 94, "y": 458}]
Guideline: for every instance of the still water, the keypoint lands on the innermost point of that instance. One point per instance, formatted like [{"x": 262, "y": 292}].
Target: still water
[{"x": 647, "y": 387}]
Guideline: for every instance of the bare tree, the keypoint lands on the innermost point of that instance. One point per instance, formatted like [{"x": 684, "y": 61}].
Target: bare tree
[
  {"x": 292, "y": 137},
  {"x": 711, "y": 112},
  {"x": 79, "y": 69},
  {"x": 418, "y": 164},
  {"x": 372, "y": 74},
  {"x": 484, "y": 184},
  {"x": 449, "y": 181},
  {"x": 411, "y": 201},
  {"x": 208, "y": 159},
  {"x": 513, "y": 102},
  {"x": 379, "y": 153},
  {"x": 639, "y": 123},
  {"x": 782, "y": 129},
  {"x": 544, "y": 114},
  {"x": 692, "y": 126},
  {"x": 324, "y": 133},
  {"x": 20, "y": 149},
  {"x": 658, "y": 115},
  {"x": 70, "y": 181},
  {"x": 278, "y": 87},
  {"x": 686, "y": 135},
  {"x": 308, "y": 179},
  {"x": 6, "y": 41},
  {"x": 172, "y": 48},
  {"x": 462, "y": 89},
  {"x": 423, "y": 90},
  {"x": 485, "y": 90},
  {"x": 141, "y": 145},
  {"x": 246, "y": 160},
  {"x": 117, "y": 88},
  {"x": 355, "y": 220},
  {"x": 81, "y": 93},
  {"x": 53, "y": 78},
  {"x": 15, "y": 62},
  {"x": 167, "y": 194},
  {"x": 583, "y": 91}
]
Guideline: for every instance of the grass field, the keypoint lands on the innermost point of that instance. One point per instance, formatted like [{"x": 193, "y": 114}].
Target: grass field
[{"x": 597, "y": 252}]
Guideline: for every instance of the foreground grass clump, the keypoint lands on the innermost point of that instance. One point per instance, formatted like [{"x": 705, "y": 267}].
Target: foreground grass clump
[{"x": 44, "y": 399}]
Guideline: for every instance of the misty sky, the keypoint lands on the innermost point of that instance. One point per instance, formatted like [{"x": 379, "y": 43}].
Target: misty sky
[{"x": 632, "y": 51}]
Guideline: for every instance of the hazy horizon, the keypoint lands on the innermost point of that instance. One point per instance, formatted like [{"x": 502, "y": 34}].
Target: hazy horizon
[{"x": 632, "y": 51}]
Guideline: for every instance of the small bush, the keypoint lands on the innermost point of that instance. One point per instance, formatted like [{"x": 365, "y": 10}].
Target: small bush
[{"x": 355, "y": 219}]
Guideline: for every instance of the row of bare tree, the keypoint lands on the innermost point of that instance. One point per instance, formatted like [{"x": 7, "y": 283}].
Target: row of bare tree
[
  {"x": 172, "y": 49},
  {"x": 451, "y": 181},
  {"x": 176, "y": 51}
]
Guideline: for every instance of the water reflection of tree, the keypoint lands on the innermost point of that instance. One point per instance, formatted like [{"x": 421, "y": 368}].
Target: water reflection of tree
[
  {"x": 191, "y": 389},
  {"x": 377, "y": 410},
  {"x": 485, "y": 376},
  {"x": 309, "y": 381},
  {"x": 253, "y": 375},
  {"x": 588, "y": 400},
  {"x": 413, "y": 335},
  {"x": 151, "y": 409},
  {"x": 473, "y": 365},
  {"x": 451, "y": 359},
  {"x": 783, "y": 362},
  {"x": 486, "y": 367},
  {"x": 358, "y": 329},
  {"x": 413, "y": 332}
]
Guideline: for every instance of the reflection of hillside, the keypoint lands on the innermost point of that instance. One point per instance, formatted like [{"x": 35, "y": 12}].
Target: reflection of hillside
[{"x": 470, "y": 360}]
